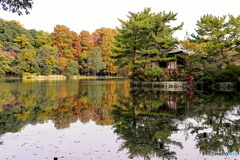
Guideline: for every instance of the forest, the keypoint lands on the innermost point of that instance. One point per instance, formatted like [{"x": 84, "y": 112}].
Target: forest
[
  {"x": 119, "y": 51},
  {"x": 62, "y": 52}
]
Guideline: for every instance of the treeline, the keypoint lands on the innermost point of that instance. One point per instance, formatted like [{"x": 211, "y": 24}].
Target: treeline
[
  {"x": 129, "y": 49},
  {"x": 62, "y": 52},
  {"x": 214, "y": 55}
]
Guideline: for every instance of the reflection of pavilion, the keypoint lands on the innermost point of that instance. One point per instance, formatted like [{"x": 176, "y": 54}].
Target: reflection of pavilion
[{"x": 158, "y": 121}]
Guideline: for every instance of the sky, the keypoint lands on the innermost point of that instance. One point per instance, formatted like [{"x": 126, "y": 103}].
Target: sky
[{"x": 90, "y": 15}]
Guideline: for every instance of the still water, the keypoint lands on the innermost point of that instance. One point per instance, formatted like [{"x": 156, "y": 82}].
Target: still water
[{"x": 106, "y": 120}]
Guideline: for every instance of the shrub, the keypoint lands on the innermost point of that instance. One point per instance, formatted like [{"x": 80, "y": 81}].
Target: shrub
[
  {"x": 148, "y": 74},
  {"x": 28, "y": 75},
  {"x": 230, "y": 73}
]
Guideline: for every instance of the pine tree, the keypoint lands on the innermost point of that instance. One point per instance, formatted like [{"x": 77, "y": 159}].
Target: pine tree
[{"x": 144, "y": 32}]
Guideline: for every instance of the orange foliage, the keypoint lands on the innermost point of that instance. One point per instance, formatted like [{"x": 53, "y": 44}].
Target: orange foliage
[
  {"x": 67, "y": 42},
  {"x": 63, "y": 63}
]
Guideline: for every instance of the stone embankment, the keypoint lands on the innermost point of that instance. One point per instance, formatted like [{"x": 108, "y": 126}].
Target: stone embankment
[
  {"x": 165, "y": 85},
  {"x": 224, "y": 86}
]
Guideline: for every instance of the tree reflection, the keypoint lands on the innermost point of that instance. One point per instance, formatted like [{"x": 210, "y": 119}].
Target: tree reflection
[
  {"x": 222, "y": 117},
  {"x": 62, "y": 102},
  {"x": 145, "y": 121}
]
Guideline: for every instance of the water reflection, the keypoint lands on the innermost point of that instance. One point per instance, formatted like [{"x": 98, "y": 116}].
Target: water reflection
[
  {"x": 146, "y": 121},
  {"x": 150, "y": 124},
  {"x": 63, "y": 102}
]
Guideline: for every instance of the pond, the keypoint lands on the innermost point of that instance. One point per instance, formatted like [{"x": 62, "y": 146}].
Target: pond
[{"x": 107, "y": 119}]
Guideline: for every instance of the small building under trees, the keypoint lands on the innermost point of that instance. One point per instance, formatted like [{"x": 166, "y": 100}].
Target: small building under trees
[{"x": 173, "y": 58}]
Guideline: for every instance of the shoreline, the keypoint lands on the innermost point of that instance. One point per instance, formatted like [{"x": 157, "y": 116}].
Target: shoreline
[{"x": 61, "y": 77}]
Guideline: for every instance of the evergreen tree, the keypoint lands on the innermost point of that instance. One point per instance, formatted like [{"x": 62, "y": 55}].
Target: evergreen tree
[
  {"x": 220, "y": 35},
  {"x": 144, "y": 32}
]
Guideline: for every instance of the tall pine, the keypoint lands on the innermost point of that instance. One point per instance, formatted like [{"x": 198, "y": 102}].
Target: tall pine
[{"x": 144, "y": 32}]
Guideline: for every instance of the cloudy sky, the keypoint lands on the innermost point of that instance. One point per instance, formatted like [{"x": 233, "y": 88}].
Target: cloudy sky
[{"x": 89, "y": 15}]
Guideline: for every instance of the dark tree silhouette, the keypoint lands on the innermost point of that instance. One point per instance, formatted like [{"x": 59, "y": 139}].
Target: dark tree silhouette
[{"x": 17, "y": 6}]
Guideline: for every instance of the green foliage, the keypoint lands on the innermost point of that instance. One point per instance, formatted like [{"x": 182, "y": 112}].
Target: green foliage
[
  {"x": 219, "y": 36},
  {"x": 132, "y": 47},
  {"x": 21, "y": 41},
  {"x": 210, "y": 75},
  {"x": 144, "y": 32},
  {"x": 27, "y": 55},
  {"x": 43, "y": 38},
  {"x": 230, "y": 73},
  {"x": 95, "y": 61},
  {"x": 207, "y": 77},
  {"x": 153, "y": 73},
  {"x": 5, "y": 62},
  {"x": 9, "y": 30},
  {"x": 148, "y": 74},
  {"x": 217, "y": 44},
  {"x": 47, "y": 60},
  {"x": 72, "y": 68}
]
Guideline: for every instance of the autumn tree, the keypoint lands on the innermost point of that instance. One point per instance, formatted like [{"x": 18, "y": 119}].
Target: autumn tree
[
  {"x": 66, "y": 41},
  {"x": 87, "y": 42},
  {"x": 62, "y": 63},
  {"x": 25, "y": 62},
  {"x": 22, "y": 41},
  {"x": 107, "y": 38},
  {"x": 96, "y": 38},
  {"x": 76, "y": 44},
  {"x": 5, "y": 62},
  {"x": 42, "y": 38},
  {"x": 47, "y": 60}
]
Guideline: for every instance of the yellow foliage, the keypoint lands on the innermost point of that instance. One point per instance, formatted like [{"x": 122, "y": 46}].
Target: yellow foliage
[
  {"x": 22, "y": 41},
  {"x": 17, "y": 22},
  {"x": 23, "y": 116},
  {"x": 195, "y": 47},
  {"x": 63, "y": 63},
  {"x": 107, "y": 39}
]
